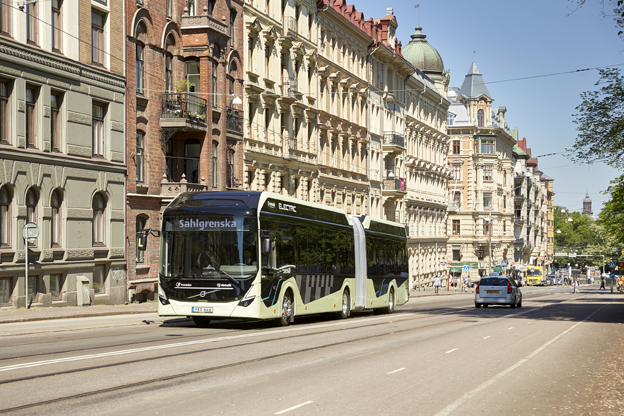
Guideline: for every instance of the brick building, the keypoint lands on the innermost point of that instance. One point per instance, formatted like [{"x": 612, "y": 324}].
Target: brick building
[{"x": 184, "y": 126}]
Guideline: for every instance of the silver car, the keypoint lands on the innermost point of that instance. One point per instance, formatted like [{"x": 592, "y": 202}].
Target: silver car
[{"x": 498, "y": 290}]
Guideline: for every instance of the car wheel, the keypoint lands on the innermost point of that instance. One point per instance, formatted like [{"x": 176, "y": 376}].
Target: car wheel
[
  {"x": 201, "y": 321},
  {"x": 477, "y": 305},
  {"x": 513, "y": 304},
  {"x": 520, "y": 303},
  {"x": 287, "y": 309},
  {"x": 345, "y": 311},
  {"x": 485, "y": 305}
]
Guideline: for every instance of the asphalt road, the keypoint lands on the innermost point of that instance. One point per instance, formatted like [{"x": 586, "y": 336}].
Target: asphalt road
[{"x": 560, "y": 354}]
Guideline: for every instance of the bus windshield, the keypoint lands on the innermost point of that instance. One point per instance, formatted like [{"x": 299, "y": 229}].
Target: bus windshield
[
  {"x": 209, "y": 247},
  {"x": 534, "y": 272}
]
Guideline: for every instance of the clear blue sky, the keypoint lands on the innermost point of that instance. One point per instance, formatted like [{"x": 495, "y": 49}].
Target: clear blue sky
[{"x": 521, "y": 38}]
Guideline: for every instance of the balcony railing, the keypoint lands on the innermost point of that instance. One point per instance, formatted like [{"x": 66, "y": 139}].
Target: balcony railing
[
  {"x": 290, "y": 26},
  {"x": 183, "y": 105},
  {"x": 234, "y": 120},
  {"x": 290, "y": 87},
  {"x": 392, "y": 138},
  {"x": 394, "y": 184},
  {"x": 518, "y": 220}
]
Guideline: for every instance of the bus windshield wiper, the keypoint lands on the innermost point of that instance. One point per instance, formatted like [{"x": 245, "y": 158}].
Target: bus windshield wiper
[{"x": 230, "y": 278}]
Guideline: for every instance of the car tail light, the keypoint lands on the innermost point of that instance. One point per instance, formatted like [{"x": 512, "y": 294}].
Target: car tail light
[
  {"x": 477, "y": 289},
  {"x": 509, "y": 289}
]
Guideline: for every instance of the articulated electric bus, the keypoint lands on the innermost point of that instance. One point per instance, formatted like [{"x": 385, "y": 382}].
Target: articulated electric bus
[{"x": 258, "y": 255}]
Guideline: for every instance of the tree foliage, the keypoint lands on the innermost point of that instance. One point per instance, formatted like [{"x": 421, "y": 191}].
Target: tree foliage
[
  {"x": 600, "y": 121},
  {"x": 611, "y": 217},
  {"x": 618, "y": 11}
]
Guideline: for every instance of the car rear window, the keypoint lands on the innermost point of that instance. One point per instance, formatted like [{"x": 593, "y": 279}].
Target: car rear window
[{"x": 493, "y": 282}]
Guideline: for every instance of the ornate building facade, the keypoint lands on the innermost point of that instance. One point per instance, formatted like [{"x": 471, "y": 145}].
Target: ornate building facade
[
  {"x": 62, "y": 95},
  {"x": 480, "y": 218},
  {"x": 185, "y": 67},
  {"x": 280, "y": 99}
]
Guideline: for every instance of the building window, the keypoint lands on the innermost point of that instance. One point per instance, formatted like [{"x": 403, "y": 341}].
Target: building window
[
  {"x": 487, "y": 146},
  {"x": 97, "y": 37},
  {"x": 215, "y": 84},
  {"x": 211, "y": 4},
  {"x": 487, "y": 172},
  {"x": 455, "y": 147},
  {"x": 31, "y": 205},
  {"x": 250, "y": 44},
  {"x": 457, "y": 199},
  {"x": 267, "y": 60},
  {"x": 504, "y": 226},
  {"x": 190, "y": 5},
  {"x": 5, "y": 217},
  {"x": 55, "y": 122},
  {"x": 31, "y": 23},
  {"x": 5, "y": 18},
  {"x": 457, "y": 172},
  {"x": 169, "y": 8},
  {"x": 55, "y": 220},
  {"x": 97, "y": 126},
  {"x": 486, "y": 227},
  {"x": 140, "y": 156},
  {"x": 505, "y": 178},
  {"x": 4, "y": 110},
  {"x": 140, "y": 69},
  {"x": 480, "y": 118},
  {"x": 230, "y": 168},
  {"x": 215, "y": 168},
  {"x": 56, "y": 285},
  {"x": 487, "y": 199},
  {"x": 450, "y": 117},
  {"x": 455, "y": 227},
  {"x": 456, "y": 254},
  {"x": 31, "y": 116},
  {"x": 99, "y": 279},
  {"x": 57, "y": 29},
  {"x": 232, "y": 27},
  {"x": 141, "y": 222},
  {"x": 6, "y": 282},
  {"x": 193, "y": 76},
  {"x": 99, "y": 219},
  {"x": 504, "y": 201}
]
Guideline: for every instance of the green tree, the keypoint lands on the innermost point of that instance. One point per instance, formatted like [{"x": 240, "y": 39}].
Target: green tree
[
  {"x": 600, "y": 121},
  {"x": 611, "y": 217}
]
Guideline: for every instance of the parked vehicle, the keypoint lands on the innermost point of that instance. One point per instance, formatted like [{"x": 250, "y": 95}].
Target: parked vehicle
[{"x": 498, "y": 290}]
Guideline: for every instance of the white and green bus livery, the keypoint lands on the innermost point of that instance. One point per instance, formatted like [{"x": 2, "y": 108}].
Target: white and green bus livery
[{"x": 258, "y": 255}]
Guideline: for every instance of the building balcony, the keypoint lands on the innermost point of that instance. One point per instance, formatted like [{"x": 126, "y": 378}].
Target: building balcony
[
  {"x": 518, "y": 198},
  {"x": 173, "y": 189},
  {"x": 393, "y": 141},
  {"x": 234, "y": 123},
  {"x": 290, "y": 88},
  {"x": 394, "y": 186},
  {"x": 518, "y": 220},
  {"x": 183, "y": 110},
  {"x": 204, "y": 21},
  {"x": 519, "y": 242},
  {"x": 289, "y": 28}
]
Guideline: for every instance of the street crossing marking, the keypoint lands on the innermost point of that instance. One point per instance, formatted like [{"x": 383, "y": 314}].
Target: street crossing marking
[
  {"x": 293, "y": 408},
  {"x": 449, "y": 351},
  {"x": 396, "y": 371}
]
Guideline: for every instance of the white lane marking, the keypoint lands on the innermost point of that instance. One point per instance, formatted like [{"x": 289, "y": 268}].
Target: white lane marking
[
  {"x": 449, "y": 351},
  {"x": 396, "y": 371},
  {"x": 292, "y": 408},
  {"x": 511, "y": 327},
  {"x": 179, "y": 344},
  {"x": 467, "y": 396},
  {"x": 487, "y": 337}
]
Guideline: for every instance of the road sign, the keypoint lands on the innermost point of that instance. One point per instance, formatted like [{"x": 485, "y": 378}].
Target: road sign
[
  {"x": 612, "y": 265},
  {"x": 621, "y": 265},
  {"x": 30, "y": 230},
  {"x": 503, "y": 262},
  {"x": 466, "y": 268}
]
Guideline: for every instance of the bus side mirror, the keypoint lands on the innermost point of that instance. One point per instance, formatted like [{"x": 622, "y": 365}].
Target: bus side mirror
[{"x": 266, "y": 245}]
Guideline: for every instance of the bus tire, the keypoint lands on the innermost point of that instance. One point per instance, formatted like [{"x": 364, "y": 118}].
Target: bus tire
[
  {"x": 288, "y": 310},
  {"x": 201, "y": 321},
  {"x": 391, "y": 301},
  {"x": 345, "y": 310}
]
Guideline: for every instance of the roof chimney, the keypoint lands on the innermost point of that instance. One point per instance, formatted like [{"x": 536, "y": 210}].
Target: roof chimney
[{"x": 389, "y": 11}]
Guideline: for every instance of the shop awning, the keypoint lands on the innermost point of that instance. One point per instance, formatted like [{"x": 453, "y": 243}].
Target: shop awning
[
  {"x": 456, "y": 270},
  {"x": 498, "y": 269}
]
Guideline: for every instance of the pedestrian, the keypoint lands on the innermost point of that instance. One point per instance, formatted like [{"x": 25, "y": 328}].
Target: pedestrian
[
  {"x": 575, "y": 284},
  {"x": 602, "y": 283},
  {"x": 470, "y": 284},
  {"x": 436, "y": 283}
]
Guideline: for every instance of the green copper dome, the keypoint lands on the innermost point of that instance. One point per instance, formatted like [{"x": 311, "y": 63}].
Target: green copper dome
[{"x": 422, "y": 55}]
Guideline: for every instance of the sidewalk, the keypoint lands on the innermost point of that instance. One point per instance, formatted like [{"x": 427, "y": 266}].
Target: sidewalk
[{"x": 11, "y": 315}]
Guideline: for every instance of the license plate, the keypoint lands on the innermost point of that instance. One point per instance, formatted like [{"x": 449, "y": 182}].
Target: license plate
[
  {"x": 201, "y": 309},
  {"x": 493, "y": 291}
]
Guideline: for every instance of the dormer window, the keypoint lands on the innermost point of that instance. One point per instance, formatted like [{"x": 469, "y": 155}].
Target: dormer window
[{"x": 480, "y": 119}]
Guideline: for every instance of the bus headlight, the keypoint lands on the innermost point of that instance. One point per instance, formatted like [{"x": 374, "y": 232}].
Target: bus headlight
[
  {"x": 247, "y": 300},
  {"x": 162, "y": 297}
]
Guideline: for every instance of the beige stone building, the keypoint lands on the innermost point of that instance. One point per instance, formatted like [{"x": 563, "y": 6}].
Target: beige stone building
[
  {"x": 481, "y": 212},
  {"x": 62, "y": 93},
  {"x": 280, "y": 99}
]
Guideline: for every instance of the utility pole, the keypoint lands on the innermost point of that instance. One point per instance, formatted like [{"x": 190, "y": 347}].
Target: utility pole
[{"x": 490, "y": 239}]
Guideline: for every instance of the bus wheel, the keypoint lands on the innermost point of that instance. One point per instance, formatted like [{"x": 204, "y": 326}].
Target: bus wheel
[
  {"x": 287, "y": 309},
  {"x": 201, "y": 321},
  {"x": 390, "y": 307},
  {"x": 345, "y": 311}
]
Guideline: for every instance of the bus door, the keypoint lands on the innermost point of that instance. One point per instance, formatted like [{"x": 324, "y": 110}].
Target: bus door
[{"x": 360, "y": 263}]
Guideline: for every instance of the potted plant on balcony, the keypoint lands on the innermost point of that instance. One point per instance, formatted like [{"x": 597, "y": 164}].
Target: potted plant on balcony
[{"x": 183, "y": 85}]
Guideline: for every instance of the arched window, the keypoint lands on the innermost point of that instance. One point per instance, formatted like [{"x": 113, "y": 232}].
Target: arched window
[
  {"x": 170, "y": 47},
  {"x": 5, "y": 217},
  {"x": 55, "y": 221},
  {"x": 31, "y": 208},
  {"x": 99, "y": 218},
  {"x": 480, "y": 118},
  {"x": 141, "y": 222},
  {"x": 141, "y": 31}
]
